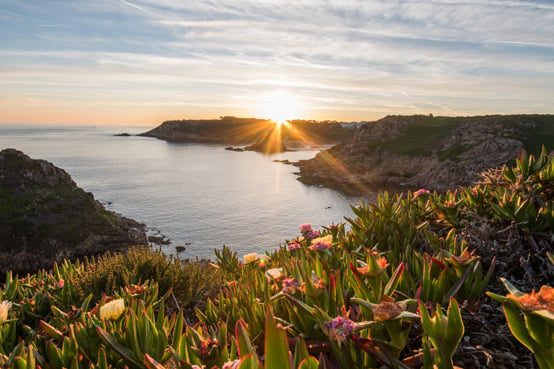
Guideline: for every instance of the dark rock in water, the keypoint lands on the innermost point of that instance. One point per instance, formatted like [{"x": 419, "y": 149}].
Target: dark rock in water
[
  {"x": 45, "y": 217},
  {"x": 231, "y": 148},
  {"x": 159, "y": 240},
  {"x": 283, "y": 161},
  {"x": 124, "y": 134},
  {"x": 180, "y": 248}
]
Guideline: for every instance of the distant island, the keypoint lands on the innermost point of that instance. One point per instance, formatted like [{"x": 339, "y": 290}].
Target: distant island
[{"x": 254, "y": 134}]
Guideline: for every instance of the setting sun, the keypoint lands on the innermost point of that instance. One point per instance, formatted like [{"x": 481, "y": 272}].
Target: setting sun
[{"x": 279, "y": 106}]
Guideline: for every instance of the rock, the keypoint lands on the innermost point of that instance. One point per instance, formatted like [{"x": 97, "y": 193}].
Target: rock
[
  {"x": 46, "y": 218},
  {"x": 124, "y": 134},
  {"x": 436, "y": 153},
  {"x": 159, "y": 240},
  {"x": 231, "y": 148}
]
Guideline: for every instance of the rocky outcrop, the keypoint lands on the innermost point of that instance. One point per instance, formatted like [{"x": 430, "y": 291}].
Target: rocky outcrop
[
  {"x": 45, "y": 217},
  {"x": 436, "y": 153},
  {"x": 261, "y": 135}
]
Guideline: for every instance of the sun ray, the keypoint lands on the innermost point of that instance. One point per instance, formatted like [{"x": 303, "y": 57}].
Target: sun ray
[{"x": 280, "y": 106}]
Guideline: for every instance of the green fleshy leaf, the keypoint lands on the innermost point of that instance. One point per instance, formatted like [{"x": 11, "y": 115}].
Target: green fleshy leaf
[
  {"x": 300, "y": 352},
  {"x": 151, "y": 363},
  {"x": 125, "y": 352},
  {"x": 276, "y": 348},
  {"x": 51, "y": 331},
  {"x": 249, "y": 362},
  {"x": 309, "y": 363},
  {"x": 516, "y": 325},
  {"x": 243, "y": 341},
  {"x": 511, "y": 288}
]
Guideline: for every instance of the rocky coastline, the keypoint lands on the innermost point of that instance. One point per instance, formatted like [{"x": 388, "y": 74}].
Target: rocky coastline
[
  {"x": 46, "y": 218},
  {"x": 251, "y": 134},
  {"x": 398, "y": 153}
]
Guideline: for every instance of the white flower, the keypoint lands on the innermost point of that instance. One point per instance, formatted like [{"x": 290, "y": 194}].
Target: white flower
[
  {"x": 112, "y": 310},
  {"x": 250, "y": 258},
  {"x": 274, "y": 273},
  {"x": 5, "y": 307}
]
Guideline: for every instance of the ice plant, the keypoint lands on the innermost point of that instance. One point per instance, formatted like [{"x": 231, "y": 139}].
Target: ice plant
[
  {"x": 339, "y": 329},
  {"x": 112, "y": 310},
  {"x": 321, "y": 243},
  {"x": 395, "y": 318},
  {"x": 250, "y": 258},
  {"x": 535, "y": 329},
  {"x": 5, "y": 307},
  {"x": 305, "y": 227},
  {"x": 444, "y": 332},
  {"x": 293, "y": 246},
  {"x": 234, "y": 364},
  {"x": 420, "y": 192},
  {"x": 311, "y": 235},
  {"x": 274, "y": 273},
  {"x": 289, "y": 285}
]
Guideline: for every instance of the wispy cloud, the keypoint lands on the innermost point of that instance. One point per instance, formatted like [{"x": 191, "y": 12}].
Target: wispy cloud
[{"x": 348, "y": 59}]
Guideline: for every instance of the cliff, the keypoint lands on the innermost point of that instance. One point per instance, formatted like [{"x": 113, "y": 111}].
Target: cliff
[
  {"x": 259, "y": 134},
  {"x": 45, "y": 217},
  {"x": 436, "y": 153}
]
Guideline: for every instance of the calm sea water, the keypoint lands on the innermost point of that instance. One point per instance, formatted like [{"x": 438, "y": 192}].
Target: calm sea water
[{"x": 197, "y": 195}]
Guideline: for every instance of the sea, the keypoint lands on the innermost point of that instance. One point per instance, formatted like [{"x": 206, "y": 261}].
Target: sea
[{"x": 199, "y": 196}]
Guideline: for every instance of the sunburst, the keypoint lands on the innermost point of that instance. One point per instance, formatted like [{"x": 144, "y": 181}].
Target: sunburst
[{"x": 280, "y": 106}]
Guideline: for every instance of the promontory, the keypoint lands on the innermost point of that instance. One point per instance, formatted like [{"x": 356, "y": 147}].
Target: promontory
[
  {"x": 46, "y": 218},
  {"x": 420, "y": 151}
]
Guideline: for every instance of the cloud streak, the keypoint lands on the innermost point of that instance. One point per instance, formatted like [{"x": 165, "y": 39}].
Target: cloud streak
[{"x": 343, "y": 60}]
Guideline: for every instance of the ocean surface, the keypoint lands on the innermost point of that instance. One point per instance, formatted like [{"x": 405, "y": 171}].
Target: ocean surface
[{"x": 199, "y": 196}]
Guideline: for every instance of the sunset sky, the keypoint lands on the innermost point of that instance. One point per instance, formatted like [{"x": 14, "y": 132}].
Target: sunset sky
[{"x": 145, "y": 61}]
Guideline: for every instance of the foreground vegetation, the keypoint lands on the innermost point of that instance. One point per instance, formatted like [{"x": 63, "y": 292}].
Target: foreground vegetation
[{"x": 397, "y": 288}]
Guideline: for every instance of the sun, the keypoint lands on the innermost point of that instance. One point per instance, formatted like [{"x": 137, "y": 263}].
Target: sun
[{"x": 279, "y": 106}]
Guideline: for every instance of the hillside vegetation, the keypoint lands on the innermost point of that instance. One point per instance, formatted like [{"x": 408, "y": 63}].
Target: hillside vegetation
[
  {"x": 403, "y": 287},
  {"x": 410, "y": 152},
  {"x": 246, "y": 131}
]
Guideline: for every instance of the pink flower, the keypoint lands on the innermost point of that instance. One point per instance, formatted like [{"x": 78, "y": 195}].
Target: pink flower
[
  {"x": 319, "y": 246},
  {"x": 61, "y": 283},
  {"x": 293, "y": 246},
  {"x": 312, "y": 235},
  {"x": 231, "y": 364},
  {"x": 305, "y": 227},
  {"x": 339, "y": 328},
  {"x": 289, "y": 285},
  {"x": 420, "y": 192}
]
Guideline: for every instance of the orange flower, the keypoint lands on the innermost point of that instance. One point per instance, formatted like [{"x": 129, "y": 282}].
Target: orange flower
[
  {"x": 544, "y": 300},
  {"x": 386, "y": 310}
]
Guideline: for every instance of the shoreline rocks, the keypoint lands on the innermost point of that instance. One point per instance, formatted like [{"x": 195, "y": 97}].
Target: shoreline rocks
[
  {"x": 46, "y": 218},
  {"x": 398, "y": 153}
]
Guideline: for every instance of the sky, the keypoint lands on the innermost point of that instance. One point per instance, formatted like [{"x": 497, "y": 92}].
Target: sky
[{"x": 141, "y": 62}]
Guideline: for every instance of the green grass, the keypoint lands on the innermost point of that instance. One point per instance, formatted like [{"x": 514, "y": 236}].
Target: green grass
[
  {"x": 418, "y": 136},
  {"x": 453, "y": 152}
]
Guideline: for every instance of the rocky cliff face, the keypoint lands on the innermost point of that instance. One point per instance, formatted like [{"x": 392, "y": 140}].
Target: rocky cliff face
[
  {"x": 45, "y": 217},
  {"x": 399, "y": 152}
]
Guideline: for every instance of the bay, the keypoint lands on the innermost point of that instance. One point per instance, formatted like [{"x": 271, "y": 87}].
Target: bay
[{"x": 199, "y": 196}]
